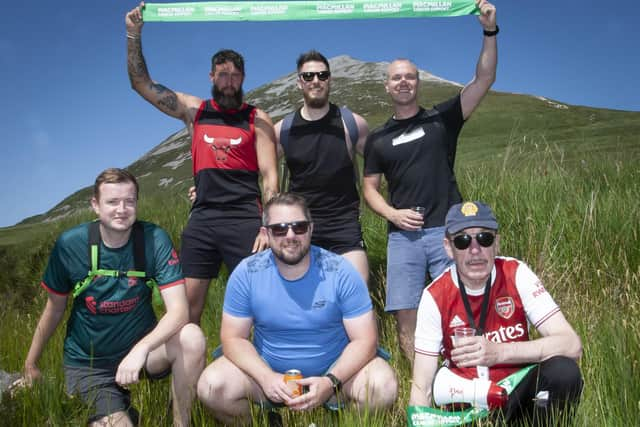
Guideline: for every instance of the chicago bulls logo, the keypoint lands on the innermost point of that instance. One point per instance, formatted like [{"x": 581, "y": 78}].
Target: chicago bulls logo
[
  {"x": 505, "y": 307},
  {"x": 221, "y": 146}
]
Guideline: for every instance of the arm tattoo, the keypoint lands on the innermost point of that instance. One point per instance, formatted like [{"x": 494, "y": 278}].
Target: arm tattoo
[
  {"x": 166, "y": 97},
  {"x": 136, "y": 64}
]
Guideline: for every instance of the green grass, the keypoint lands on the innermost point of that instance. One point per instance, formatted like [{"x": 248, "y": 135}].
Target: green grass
[{"x": 569, "y": 213}]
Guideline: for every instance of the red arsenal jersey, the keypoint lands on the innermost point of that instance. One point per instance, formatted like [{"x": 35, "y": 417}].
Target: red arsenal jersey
[{"x": 517, "y": 299}]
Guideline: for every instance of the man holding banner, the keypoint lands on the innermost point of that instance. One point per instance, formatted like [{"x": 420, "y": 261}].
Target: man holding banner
[
  {"x": 316, "y": 141},
  {"x": 415, "y": 150},
  {"x": 232, "y": 147},
  {"x": 476, "y": 315}
]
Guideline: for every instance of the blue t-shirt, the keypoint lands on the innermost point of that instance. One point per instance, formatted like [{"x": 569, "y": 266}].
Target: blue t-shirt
[{"x": 298, "y": 324}]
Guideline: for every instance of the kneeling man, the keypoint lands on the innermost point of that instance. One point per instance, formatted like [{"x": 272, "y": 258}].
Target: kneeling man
[
  {"x": 310, "y": 310},
  {"x": 112, "y": 332},
  {"x": 499, "y": 298}
]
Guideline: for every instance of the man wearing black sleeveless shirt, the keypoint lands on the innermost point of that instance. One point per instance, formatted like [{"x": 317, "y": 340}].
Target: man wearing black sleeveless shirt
[
  {"x": 319, "y": 156},
  {"x": 415, "y": 150},
  {"x": 233, "y": 145}
]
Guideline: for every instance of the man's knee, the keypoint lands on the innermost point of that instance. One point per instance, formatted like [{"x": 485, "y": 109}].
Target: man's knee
[
  {"x": 385, "y": 386},
  {"x": 380, "y": 388},
  {"x": 211, "y": 387},
  {"x": 190, "y": 342},
  {"x": 561, "y": 376}
]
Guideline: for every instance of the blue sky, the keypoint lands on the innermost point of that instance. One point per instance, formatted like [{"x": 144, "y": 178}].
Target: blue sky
[{"x": 67, "y": 111}]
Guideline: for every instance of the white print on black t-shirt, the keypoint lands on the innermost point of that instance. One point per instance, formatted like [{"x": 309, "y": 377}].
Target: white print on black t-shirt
[{"x": 408, "y": 137}]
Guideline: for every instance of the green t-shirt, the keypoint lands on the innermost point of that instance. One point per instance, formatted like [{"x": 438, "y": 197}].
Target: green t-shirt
[{"x": 112, "y": 314}]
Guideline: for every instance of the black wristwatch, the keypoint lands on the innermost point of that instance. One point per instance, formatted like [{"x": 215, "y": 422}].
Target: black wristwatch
[
  {"x": 491, "y": 33},
  {"x": 337, "y": 384}
]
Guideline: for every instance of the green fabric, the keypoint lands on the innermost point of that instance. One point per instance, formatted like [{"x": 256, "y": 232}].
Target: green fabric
[
  {"x": 303, "y": 10},
  {"x": 113, "y": 313},
  {"x": 425, "y": 416}
]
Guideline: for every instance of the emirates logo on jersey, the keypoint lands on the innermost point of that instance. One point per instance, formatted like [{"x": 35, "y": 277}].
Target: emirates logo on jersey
[
  {"x": 221, "y": 146},
  {"x": 505, "y": 307}
]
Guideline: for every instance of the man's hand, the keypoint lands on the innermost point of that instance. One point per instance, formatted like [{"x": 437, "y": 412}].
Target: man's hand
[
  {"x": 476, "y": 351},
  {"x": 261, "y": 243},
  {"x": 31, "y": 373},
  {"x": 275, "y": 389},
  {"x": 320, "y": 390},
  {"x": 133, "y": 20},
  {"x": 487, "y": 15},
  {"x": 407, "y": 219},
  {"x": 129, "y": 369}
]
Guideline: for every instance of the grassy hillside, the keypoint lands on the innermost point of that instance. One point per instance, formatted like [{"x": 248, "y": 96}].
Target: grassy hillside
[
  {"x": 568, "y": 211},
  {"x": 563, "y": 182}
]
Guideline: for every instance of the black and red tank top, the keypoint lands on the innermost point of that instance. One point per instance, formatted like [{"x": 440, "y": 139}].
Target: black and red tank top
[{"x": 225, "y": 162}]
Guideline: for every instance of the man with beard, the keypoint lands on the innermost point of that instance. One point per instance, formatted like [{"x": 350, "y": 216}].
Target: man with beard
[
  {"x": 415, "y": 150},
  {"x": 310, "y": 310},
  {"x": 319, "y": 154},
  {"x": 232, "y": 146}
]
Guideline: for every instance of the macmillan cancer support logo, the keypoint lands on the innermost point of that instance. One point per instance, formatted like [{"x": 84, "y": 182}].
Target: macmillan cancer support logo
[{"x": 91, "y": 304}]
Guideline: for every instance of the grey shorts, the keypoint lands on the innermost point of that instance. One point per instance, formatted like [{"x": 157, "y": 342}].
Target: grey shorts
[{"x": 97, "y": 387}]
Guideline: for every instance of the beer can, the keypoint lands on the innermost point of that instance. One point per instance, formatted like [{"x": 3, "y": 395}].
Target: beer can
[{"x": 290, "y": 378}]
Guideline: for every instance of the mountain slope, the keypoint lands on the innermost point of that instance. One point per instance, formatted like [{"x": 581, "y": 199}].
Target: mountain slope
[{"x": 503, "y": 120}]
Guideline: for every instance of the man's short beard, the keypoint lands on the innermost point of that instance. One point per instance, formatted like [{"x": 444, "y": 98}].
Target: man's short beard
[
  {"x": 295, "y": 260},
  {"x": 227, "y": 102},
  {"x": 315, "y": 102}
]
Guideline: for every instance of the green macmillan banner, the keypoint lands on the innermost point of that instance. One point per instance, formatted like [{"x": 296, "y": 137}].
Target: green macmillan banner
[
  {"x": 424, "y": 416},
  {"x": 295, "y": 10}
]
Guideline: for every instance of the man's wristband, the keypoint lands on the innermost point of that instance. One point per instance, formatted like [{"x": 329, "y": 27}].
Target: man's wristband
[
  {"x": 337, "y": 384},
  {"x": 491, "y": 33}
]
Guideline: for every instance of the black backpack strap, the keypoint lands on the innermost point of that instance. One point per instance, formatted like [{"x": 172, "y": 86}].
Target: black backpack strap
[
  {"x": 354, "y": 135},
  {"x": 139, "y": 257},
  {"x": 352, "y": 126},
  {"x": 285, "y": 129}
]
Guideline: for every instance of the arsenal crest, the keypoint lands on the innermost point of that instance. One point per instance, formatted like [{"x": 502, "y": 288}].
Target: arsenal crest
[{"x": 505, "y": 307}]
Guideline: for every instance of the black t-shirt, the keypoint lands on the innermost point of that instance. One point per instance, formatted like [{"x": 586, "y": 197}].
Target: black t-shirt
[
  {"x": 321, "y": 168},
  {"x": 416, "y": 156}
]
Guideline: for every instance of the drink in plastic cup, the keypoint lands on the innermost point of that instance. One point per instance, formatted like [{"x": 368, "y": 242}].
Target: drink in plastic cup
[
  {"x": 418, "y": 209},
  {"x": 460, "y": 333}
]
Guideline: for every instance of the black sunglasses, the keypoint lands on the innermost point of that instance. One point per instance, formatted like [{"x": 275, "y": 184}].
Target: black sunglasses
[
  {"x": 463, "y": 241},
  {"x": 308, "y": 76},
  {"x": 281, "y": 229}
]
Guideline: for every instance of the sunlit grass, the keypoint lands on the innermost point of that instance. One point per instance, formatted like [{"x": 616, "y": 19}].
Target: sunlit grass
[{"x": 575, "y": 222}]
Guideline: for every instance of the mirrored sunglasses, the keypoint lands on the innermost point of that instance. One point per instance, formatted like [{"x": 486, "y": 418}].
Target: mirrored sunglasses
[
  {"x": 463, "y": 241},
  {"x": 308, "y": 76},
  {"x": 281, "y": 229}
]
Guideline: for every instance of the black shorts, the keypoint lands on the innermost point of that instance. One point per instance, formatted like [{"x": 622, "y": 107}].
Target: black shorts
[
  {"x": 207, "y": 243},
  {"x": 338, "y": 236}
]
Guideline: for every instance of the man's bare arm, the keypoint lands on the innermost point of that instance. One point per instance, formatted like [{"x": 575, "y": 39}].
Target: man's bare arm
[
  {"x": 266, "y": 152},
  {"x": 485, "y": 75},
  {"x": 175, "y": 104}
]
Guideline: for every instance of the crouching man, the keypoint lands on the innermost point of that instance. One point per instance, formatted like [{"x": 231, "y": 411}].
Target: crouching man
[
  {"x": 113, "y": 336},
  {"x": 498, "y": 298},
  {"x": 310, "y": 310}
]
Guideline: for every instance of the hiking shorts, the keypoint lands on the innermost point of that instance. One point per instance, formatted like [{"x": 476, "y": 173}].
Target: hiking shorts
[
  {"x": 206, "y": 244},
  {"x": 97, "y": 387},
  {"x": 338, "y": 236},
  {"x": 410, "y": 256}
]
